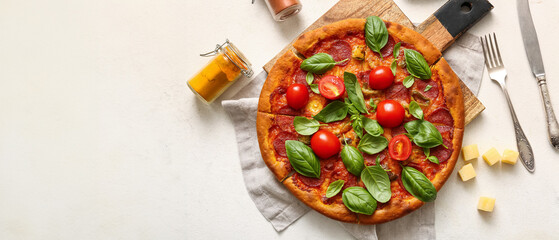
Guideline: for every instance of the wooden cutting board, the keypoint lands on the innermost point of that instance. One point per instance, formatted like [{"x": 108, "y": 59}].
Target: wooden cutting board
[{"x": 442, "y": 28}]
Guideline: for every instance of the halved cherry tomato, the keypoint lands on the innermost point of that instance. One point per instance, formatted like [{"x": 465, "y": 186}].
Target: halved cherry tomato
[
  {"x": 390, "y": 113},
  {"x": 381, "y": 78},
  {"x": 325, "y": 144},
  {"x": 399, "y": 147},
  {"x": 331, "y": 87},
  {"x": 297, "y": 95}
]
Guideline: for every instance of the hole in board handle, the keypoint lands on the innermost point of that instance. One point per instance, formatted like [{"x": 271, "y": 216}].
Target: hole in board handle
[{"x": 466, "y": 7}]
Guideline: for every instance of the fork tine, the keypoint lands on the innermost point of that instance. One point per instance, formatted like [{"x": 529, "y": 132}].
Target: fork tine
[
  {"x": 489, "y": 56},
  {"x": 488, "y": 52},
  {"x": 497, "y": 63},
  {"x": 498, "y": 52},
  {"x": 487, "y": 64}
]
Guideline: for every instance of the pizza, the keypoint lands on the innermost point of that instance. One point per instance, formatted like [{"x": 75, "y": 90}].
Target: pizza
[{"x": 362, "y": 120}]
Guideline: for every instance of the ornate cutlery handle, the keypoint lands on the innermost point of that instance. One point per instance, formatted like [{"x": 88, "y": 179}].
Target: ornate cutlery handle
[
  {"x": 524, "y": 148},
  {"x": 552, "y": 126}
]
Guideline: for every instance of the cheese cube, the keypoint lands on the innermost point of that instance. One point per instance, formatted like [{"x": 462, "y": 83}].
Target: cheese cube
[
  {"x": 491, "y": 156},
  {"x": 510, "y": 156},
  {"x": 467, "y": 172},
  {"x": 470, "y": 152},
  {"x": 486, "y": 204}
]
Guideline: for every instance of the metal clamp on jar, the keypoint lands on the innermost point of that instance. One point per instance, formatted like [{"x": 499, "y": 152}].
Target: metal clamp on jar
[{"x": 222, "y": 71}]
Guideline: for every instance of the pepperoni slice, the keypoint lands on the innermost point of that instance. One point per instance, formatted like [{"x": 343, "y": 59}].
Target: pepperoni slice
[
  {"x": 279, "y": 142},
  {"x": 388, "y": 49},
  {"x": 287, "y": 110},
  {"x": 398, "y": 130},
  {"x": 371, "y": 160},
  {"x": 340, "y": 172},
  {"x": 308, "y": 181},
  {"x": 340, "y": 50},
  {"x": 300, "y": 76},
  {"x": 442, "y": 116},
  {"x": 446, "y": 131},
  {"x": 441, "y": 152},
  {"x": 364, "y": 76},
  {"x": 398, "y": 92},
  {"x": 432, "y": 93},
  {"x": 285, "y": 123}
]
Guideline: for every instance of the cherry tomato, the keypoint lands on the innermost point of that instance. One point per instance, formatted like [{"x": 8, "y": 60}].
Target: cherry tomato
[
  {"x": 399, "y": 147},
  {"x": 390, "y": 113},
  {"x": 381, "y": 78},
  {"x": 325, "y": 144},
  {"x": 297, "y": 95},
  {"x": 331, "y": 87}
]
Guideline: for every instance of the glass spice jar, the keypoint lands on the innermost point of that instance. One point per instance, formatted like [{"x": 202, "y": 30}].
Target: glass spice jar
[{"x": 222, "y": 71}]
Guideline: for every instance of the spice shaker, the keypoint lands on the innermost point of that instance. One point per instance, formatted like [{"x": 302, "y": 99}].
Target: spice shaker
[{"x": 283, "y": 9}]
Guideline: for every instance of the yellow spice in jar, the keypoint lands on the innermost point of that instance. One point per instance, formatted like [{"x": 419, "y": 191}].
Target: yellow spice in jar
[{"x": 213, "y": 79}]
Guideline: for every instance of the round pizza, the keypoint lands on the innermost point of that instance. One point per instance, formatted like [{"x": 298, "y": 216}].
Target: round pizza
[{"x": 362, "y": 121}]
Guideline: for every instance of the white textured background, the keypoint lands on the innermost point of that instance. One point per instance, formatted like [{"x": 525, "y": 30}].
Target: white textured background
[{"x": 101, "y": 139}]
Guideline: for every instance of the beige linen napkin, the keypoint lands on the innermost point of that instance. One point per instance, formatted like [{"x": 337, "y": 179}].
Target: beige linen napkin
[{"x": 280, "y": 207}]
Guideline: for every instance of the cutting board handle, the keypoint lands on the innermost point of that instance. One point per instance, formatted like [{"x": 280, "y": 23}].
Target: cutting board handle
[
  {"x": 451, "y": 20},
  {"x": 457, "y": 16}
]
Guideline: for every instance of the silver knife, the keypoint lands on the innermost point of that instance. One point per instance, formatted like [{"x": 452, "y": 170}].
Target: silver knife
[{"x": 532, "y": 47}]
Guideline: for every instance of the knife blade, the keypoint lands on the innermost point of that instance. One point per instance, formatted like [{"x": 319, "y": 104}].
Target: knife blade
[
  {"x": 530, "y": 38},
  {"x": 533, "y": 52}
]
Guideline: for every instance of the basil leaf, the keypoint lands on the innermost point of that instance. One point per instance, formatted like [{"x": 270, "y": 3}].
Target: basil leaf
[
  {"x": 357, "y": 125},
  {"x": 416, "y": 64},
  {"x": 358, "y": 200},
  {"x": 335, "y": 111},
  {"x": 412, "y": 127},
  {"x": 427, "y": 152},
  {"x": 309, "y": 78},
  {"x": 428, "y": 136},
  {"x": 397, "y": 50},
  {"x": 377, "y": 182},
  {"x": 433, "y": 159},
  {"x": 334, "y": 188},
  {"x": 393, "y": 67},
  {"x": 418, "y": 185},
  {"x": 319, "y": 63},
  {"x": 373, "y": 104},
  {"x": 372, "y": 144},
  {"x": 372, "y": 127},
  {"x": 302, "y": 159},
  {"x": 415, "y": 110},
  {"x": 351, "y": 108},
  {"x": 354, "y": 93},
  {"x": 427, "y": 88},
  {"x": 408, "y": 81},
  {"x": 305, "y": 126},
  {"x": 376, "y": 34},
  {"x": 314, "y": 88},
  {"x": 424, "y": 133},
  {"x": 353, "y": 160}
]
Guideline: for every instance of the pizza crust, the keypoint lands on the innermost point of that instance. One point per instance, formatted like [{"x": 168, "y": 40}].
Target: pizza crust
[
  {"x": 263, "y": 123},
  {"x": 282, "y": 68},
  {"x": 396, "y": 208},
  {"x": 455, "y": 104},
  {"x": 451, "y": 92},
  {"x": 307, "y": 41},
  {"x": 426, "y": 48},
  {"x": 312, "y": 198}
]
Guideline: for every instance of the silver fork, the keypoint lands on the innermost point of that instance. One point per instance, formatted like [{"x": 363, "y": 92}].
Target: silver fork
[{"x": 498, "y": 73}]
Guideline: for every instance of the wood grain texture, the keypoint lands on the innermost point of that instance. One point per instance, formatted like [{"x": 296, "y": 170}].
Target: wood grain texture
[{"x": 431, "y": 28}]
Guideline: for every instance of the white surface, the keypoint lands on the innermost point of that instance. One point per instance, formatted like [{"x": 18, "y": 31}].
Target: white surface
[{"x": 101, "y": 139}]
